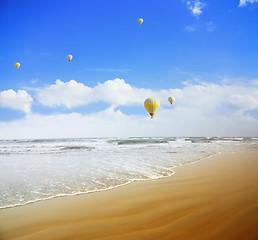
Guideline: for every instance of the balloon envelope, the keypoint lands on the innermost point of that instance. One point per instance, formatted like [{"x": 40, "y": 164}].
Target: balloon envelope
[
  {"x": 140, "y": 21},
  {"x": 151, "y": 105},
  {"x": 171, "y": 100},
  {"x": 69, "y": 57},
  {"x": 17, "y": 65}
]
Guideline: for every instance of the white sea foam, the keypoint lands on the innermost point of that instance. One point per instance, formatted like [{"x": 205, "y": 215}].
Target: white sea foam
[{"x": 37, "y": 169}]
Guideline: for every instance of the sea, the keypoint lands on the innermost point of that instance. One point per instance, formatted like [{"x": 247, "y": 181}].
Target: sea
[{"x": 33, "y": 170}]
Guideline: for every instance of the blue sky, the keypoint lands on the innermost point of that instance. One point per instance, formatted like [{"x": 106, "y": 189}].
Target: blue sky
[{"x": 179, "y": 43}]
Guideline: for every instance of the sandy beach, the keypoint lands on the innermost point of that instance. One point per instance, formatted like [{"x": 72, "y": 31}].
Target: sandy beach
[{"x": 216, "y": 198}]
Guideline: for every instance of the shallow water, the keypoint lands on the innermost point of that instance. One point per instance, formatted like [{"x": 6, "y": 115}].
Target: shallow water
[{"x": 37, "y": 169}]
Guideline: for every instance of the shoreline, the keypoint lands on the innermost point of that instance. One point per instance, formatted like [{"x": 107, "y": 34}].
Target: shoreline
[
  {"x": 111, "y": 188},
  {"x": 219, "y": 189}
]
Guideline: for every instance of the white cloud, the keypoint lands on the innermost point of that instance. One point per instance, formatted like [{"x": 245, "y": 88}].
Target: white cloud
[
  {"x": 209, "y": 97},
  {"x": 195, "y": 7},
  {"x": 255, "y": 82},
  {"x": 243, "y": 3},
  {"x": 201, "y": 95},
  {"x": 73, "y": 94},
  {"x": 70, "y": 94},
  {"x": 172, "y": 121},
  {"x": 245, "y": 102},
  {"x": 109, "y": 122},
  {"x": 200, "y": 109},
  {"x": 34, "y": 80},
  {"x": 21, "y": 100}
]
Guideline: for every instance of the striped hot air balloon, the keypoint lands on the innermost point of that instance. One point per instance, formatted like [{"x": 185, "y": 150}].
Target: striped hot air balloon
[
  {"x": 171, "y": 100},
  {"x": 140, "y": 21},
  {"x": 69, "y": 57},
  {"x": 17, "y": 65},
  {"x": 151, "y": 105}
]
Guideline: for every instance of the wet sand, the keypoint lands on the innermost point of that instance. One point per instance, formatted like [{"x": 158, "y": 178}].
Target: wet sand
[{"x": 216, "y": 198}]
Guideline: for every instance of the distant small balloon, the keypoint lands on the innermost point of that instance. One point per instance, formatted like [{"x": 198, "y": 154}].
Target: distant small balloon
[
  {"x": 69, "y": 57},
  {"x": 171, "y": 100},
  {"x": 140, "y": 21},
  {"x": 17, "y": 65}
]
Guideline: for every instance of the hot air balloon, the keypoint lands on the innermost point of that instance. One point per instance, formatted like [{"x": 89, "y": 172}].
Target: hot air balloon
[
  {"x": 151, "y": 105},
  {"x": 17, "y": 65},
  {"x": 69, "y": 57},
  {"x": 171, "y": 100},
  {"x": 140, "y": 21}
]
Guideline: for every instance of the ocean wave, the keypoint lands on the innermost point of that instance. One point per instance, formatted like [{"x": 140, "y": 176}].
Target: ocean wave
[
  {"x": 159, "y": 175},
  {"x": 76, "y": 148},
  {"x": 136, "y": 141},
  {"x": 48, "y": 140},
  {"x": 52, "y": 140},
  {"x": 216, "y": 139},
  {"x": 118, "y": 185},
  {"x": 64, "y": 167}
]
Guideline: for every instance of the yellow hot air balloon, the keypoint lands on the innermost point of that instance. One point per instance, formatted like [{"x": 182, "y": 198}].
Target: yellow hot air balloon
[
  {"x": 140, "y": 21},
  {"x": 151, "y": 105},
  {"x": 69, "y": 57},
  {"x": 171, "y": 100},
  {"x": 17, "y": 65}
]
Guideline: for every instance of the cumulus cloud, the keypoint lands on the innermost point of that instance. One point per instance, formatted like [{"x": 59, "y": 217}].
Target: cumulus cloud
[
  {"x": 19, "y": 100},
  {"x": 110, "y": 122},
  {"x": 72, "y": 94},
  {"x": 255, "y": 82},
  {"x": 200, "y": 109},
  {"x": 195, "y": 7},
  {"x": 206, "y": 97},
  {"x": 243, "y": 3},
  {"x": 245, "y": 102},
  {"x": 172, "y": 121}
]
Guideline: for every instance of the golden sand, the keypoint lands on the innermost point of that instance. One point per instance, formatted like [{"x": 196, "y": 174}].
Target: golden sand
[{"x": 216, "y": 198}]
